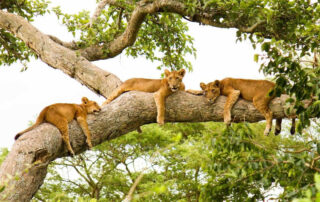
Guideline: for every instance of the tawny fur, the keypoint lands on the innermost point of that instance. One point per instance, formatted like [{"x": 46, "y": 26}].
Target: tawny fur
[
  {"x": 256, "y": 91},
  {"x": 161, "y": 88},
  {"x": 61, "y": 114}
]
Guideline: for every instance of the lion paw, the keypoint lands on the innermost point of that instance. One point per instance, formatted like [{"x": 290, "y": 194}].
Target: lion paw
[
  {"x": 227, "y": 121},
  {"x": 266, "y": 132},
  {"x": 71, "y": 152},
  {"x": 90, "y": 145},
  {"x": 160, "y": 121}
]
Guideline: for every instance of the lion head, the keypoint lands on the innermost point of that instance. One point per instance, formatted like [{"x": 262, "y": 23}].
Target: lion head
[
  {"x": 174, "y": 79},
  {"x": 91, "y": 106},
  {"x": 211, "y": 90}
]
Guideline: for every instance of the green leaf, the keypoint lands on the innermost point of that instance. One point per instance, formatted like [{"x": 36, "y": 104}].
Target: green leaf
[
  {"x": 256, "y": 57},
  {"x": 265, "y": 46}
]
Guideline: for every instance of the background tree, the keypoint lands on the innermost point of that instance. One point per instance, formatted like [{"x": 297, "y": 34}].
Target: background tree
[
  {"x": 196, "y": 162},
  {"x": 287, "y": 31}
]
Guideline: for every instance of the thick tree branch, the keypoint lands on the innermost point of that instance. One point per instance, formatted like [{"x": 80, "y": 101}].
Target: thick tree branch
[
  {"x": 127, "y": 38},
  {"x": 125, "y": 114},
  {"x": 57, "y": 56}
]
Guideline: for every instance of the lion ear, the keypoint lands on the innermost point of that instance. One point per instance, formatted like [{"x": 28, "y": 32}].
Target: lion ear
[
  {"x": 216, "y": 83},
  {"x": 182, "y": 72},
  {"x": 203, "y": 85},
  {"x": 166, "y": 73},
  {"x": 85, "y": 100}
]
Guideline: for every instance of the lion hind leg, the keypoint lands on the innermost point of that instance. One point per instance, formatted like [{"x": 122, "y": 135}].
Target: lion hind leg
[
  {"x": 278, "y": 126},
  {"x": 262, "y": 106},
  {"x": 65, "y": 136},
  {"x": 231, "y": 100},
  {"x": 116, "y": 93},
  {"x": 61, "y": 123},
  {"x": 293, "y": 126}
]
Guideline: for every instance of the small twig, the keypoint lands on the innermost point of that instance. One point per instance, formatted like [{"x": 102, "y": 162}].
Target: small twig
[
  {"x": 299, "y": 151},
  {"x": 128, "y": 198},
  {"x": 314, "y": 160},
  {"x": 138, "y": 180},
  {"x": 314, "y": 168},
  {"x": 253, "y": 27},
  {"x": 315, "y": 59},
  {"x": 119, "y": 18}
]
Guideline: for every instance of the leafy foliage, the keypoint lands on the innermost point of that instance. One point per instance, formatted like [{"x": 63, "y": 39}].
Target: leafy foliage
[
  {"x": 162, "y": 37},
  {"x": 107, "y": 27},
  {"x": 25, "y": 8},
  {"x": 291, "y": 37},
  {"x": 195, "y": 161},
  {"x": 13, "y": 49},
  {"x": 312, "y": 194}
]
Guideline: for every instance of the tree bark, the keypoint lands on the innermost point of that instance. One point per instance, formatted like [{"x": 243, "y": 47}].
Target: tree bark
[{"x": 32, "y": 152}]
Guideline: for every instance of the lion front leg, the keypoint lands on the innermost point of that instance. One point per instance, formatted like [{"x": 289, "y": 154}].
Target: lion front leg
[
  {"x": 195, "y": 92},
  {"x": 84, "y": 126},
  {"x": 262, "y": 105},
  {"x": 64, "y": 130},
  {"x": 159, "y": 98},
  {"x": 231, "y": 99}
]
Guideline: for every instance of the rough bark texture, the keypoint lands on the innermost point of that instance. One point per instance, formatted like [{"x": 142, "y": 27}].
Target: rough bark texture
[{"x": 37, "y": 148}]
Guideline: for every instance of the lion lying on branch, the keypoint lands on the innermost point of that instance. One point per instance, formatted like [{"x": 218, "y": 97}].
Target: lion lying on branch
[{"x": 256, "y": 91}]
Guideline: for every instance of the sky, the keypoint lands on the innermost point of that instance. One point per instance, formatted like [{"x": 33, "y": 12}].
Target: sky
[{"x": 25, "y": 94}]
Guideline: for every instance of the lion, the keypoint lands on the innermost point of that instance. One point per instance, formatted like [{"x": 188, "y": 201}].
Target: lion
[
  {"x": 60, "y": 114},
  {"x": 256, "y": 91},
  {"x": 161, "y": 88}
]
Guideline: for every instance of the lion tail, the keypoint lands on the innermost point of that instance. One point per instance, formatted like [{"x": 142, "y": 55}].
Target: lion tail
[{"x": 39, "y": 120}]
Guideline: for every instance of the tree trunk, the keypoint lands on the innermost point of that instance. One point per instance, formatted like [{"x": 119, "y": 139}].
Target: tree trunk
[{"x": 32, "y": 152}]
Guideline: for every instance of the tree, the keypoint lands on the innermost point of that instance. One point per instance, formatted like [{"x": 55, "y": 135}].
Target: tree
[
  {"x": 191, "y": 162},
  {"x": 287, "y": 31}
]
